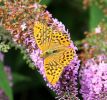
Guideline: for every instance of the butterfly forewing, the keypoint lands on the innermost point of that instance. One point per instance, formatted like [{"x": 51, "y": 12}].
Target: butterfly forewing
[
  {"x": 42, "y": 35},
  {"x": 59, "y": 39}
]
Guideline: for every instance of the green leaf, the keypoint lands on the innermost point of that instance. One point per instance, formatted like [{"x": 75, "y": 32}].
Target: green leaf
[
  {"x": 46, "y": 2},
  {"x": 96, "y": 16},
  {"x": 20, "y": 78},
  {"x": 4, "y": 83}
]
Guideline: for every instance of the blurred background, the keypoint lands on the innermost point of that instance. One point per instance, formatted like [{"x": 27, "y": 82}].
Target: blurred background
[{"x": 78, "y": 17}]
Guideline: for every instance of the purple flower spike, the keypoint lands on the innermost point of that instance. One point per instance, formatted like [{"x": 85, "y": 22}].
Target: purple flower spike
[
  {"x": 22, "y": 32},
  {"x": 93, "y": 79}
]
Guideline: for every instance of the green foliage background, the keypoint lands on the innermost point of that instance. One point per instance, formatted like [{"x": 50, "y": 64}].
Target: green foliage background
[{"x": 28, "y": 83}]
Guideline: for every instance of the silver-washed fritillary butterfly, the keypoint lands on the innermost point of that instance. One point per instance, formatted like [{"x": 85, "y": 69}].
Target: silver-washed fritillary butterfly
[{"x": 56, "y": 50}]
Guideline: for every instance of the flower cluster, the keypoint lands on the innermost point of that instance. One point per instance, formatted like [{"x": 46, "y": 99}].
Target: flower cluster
[
  {"x": 3, "y": 95},
  {"x": 95, "y": 42},
  {"x": 93, "y": 79},
  {"x": 19, "y": 18}
]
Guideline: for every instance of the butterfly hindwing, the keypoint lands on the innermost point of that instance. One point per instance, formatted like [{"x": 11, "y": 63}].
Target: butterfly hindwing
[{"x": 54, "y": 64}]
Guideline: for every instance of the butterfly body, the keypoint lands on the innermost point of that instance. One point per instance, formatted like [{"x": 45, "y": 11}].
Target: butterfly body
[
  {"x": 48, "y": 53},
  {"x": 56, "y": 50}
]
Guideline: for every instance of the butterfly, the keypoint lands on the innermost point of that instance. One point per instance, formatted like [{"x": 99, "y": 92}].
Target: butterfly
[{"x": 56, "y": 50}]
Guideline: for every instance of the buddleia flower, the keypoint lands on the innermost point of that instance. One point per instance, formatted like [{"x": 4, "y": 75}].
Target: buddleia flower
[
  {"x": 19, "y": 19},
  {"x": 95, "y": 42},
  {"x": 93, "y": 78},
  {"x": 3, "y": 95}
]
